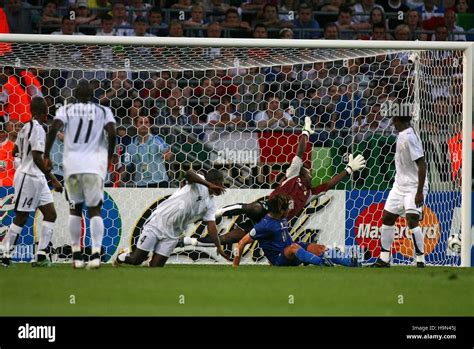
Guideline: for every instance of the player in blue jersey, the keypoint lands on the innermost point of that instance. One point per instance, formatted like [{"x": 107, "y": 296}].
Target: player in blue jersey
[{"x": 278, "y": 246}]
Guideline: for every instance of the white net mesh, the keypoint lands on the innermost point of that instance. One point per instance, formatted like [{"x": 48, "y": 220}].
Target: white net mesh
[{"x": 213, "y": 108}]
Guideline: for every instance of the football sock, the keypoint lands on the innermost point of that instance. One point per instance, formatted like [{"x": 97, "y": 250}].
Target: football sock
[
  {"x": 308, "y": 257},
  {"x": 97, "y": 233},
  {"x": 45, "y": 235},
  {"x": 232, "y": 210},
  {"x": 75, "y": 230},
  {"x": 418, "y": 240},
  {"x": 332, "y": 255},
  {"x": 388, "y": 234},
  {"x": 10, "y": 238}
]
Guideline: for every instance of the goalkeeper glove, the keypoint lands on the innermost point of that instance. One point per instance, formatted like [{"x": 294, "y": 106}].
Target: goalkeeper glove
[
  {"x": 16, "y": 162},
  {"x": 307, "y": 129},
  {"x": 355, "y": 164}
]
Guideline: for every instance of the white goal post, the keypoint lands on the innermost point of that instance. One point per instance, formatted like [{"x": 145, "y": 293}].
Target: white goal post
[{"x": 44, "y": 46}]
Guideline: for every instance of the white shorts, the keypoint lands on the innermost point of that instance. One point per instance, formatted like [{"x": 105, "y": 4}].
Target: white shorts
[
  {"x": 149, "y": 241},
  {"x": 400, "y": 203},
  {"x": 85, "y": 187},
  {"x": 31, "y": 192}
]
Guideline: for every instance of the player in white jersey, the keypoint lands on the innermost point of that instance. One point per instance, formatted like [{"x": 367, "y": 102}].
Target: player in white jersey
[
  {"x": 31, "y": 187},
  {"x": 408, "y": 192},
  {"x": 169, "y": 220},
  {"x": 87, "y": 154}
]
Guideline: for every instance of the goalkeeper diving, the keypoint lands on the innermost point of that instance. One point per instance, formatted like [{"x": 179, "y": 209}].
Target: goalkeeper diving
[{"x": 296, "y": 185}]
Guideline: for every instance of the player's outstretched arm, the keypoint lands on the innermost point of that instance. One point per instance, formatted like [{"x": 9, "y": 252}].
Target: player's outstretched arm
[
  {"x": 240, "y": 249},
  {"x": 51, "y": 136},
  {"x": 39, "y": 161},
  {"x": 111, "y": 138},
  {"x": 212, "y": 231},
  {"x": 354, "y": 165},
  {"x": 193, "y": 177},
  {"x": 304, "y": 138}
]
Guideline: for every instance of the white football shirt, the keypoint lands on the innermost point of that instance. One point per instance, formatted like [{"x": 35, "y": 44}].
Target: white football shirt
[
  {"x": 408, "y": 150},
  {"x": 31, "y": 138},
  {"x": 85, "y": 144},
  {"x": 187, "y": 205}
]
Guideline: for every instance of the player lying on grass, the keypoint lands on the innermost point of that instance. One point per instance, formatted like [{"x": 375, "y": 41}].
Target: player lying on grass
[
  {"x": 31, "y": 187},
  {"x": 297, "y": 186},
  {"x": 167, "y": 222},
  {"x": 277, "y": 245}
]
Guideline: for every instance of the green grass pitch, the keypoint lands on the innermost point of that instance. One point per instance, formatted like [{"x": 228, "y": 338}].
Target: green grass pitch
[{"x": 250, "y": 290}]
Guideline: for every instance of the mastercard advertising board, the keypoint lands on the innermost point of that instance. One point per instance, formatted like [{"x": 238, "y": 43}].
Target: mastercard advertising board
[{"x": 364, "y": 210}]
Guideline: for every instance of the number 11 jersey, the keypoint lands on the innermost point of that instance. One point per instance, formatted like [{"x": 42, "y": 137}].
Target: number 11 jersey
[{"x": 85, "y": 144}]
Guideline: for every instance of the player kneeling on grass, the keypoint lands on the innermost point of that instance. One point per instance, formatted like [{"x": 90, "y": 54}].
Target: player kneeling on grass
[
  {"x": 162, "y": 229},
  {"x": 31, "y": 188},
  {"x": 277, "y": 245}
]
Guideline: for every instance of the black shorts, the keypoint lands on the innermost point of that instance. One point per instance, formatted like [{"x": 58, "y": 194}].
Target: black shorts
[{"x": 246, "y": 222}]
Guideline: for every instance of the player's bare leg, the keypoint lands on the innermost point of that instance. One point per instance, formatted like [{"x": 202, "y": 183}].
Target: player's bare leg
[
  {"x": 49, "y": 217},
  {"x": 137, "y": 257},
  {"x": 158, "y": 260},
  {"x": 386, "y": 239},
  {"x": 75, "y": 227},
  {"x": 413, "y": 221},
  {"x": 97, "y": 235},
  {"x": 11, "y": 237}
]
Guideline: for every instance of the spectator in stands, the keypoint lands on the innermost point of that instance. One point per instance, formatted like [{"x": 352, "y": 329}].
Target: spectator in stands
[
  {"x": 145, "y": 158},
  {"x": 413, "y": 20},
  {"x": 374, "y": 123},
  {"x": 274, "y": 116},
  {"x": 331, "y": 32},
  {"x": 253, "y": 5},
  {"x": 85, "y": 17},
  {"x": 430, "y": 12},
  {"x": 182, "y": 5},
  {"x": 68, "y": 27},
  {"x": 19, "y": 16},
  {"x": 379, "y": 32},
  {"x": 260, "y": 32},
  {"x": 7, "y": 170},
  {"x": 286, "y": 33},
  {"x": 106, "y": 26},
  {"x": 174, "y": 112},
  {"x": 50, "y": 19},
  {"x": 364, "y": 6},
  {"x": 345, "y": 23},
  {"x": 14, "y": 100},
  {"x": 120, "y": 95},
  {"x": 155, "y": 19},
  {"x": 4, "y": 29},
  {"x": 176, "y": 29},
  {"x": 217, "y": 8},
  {"x": 233, "y": 21},
  {"x": 270, "y": 17},
  {"x": 343, "y": 107},
  {"x": 441, "y": 33},
  {"x": 397, "y": 6},
  {"x": 307, "y": 27},
  {"x": 138, "y": 9},
  {"x": 197, "y": 20},
  {"x": 121, "y": 24},
  {"x": 402, "y": 32},
  {"x": 140, "y": 27},
  {"x": 224, "y": 115},
  {"x": 450, "y": 21}
]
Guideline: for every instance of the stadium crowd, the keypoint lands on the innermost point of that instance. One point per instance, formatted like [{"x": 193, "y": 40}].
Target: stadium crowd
[{"x": 166, "y": 118}]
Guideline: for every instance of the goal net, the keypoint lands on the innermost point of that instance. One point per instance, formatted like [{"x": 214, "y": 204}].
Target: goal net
[{"x": 238, "y": 106}]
